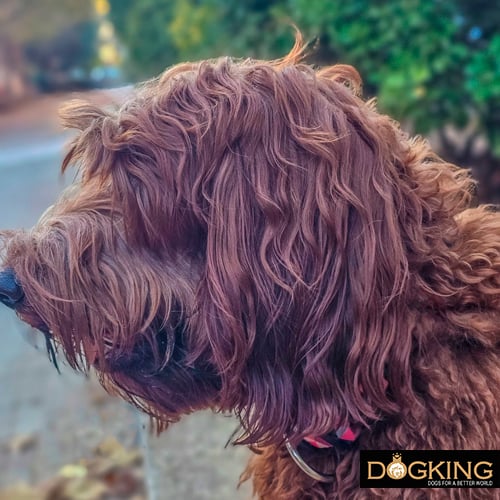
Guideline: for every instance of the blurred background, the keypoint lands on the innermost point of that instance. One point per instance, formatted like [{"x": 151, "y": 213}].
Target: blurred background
[{"x": 432, "y": 64}]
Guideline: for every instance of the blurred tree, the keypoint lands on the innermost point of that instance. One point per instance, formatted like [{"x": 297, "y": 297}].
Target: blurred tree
[
  {"x": 65, "y": 60},
  {"x": 143, "y": 27},
  {"x": 27, "y": 20},
  {"x": 159, "y": 33},
  {"x": 434, "y": 65},
  {"x": 57, "y": 40}
]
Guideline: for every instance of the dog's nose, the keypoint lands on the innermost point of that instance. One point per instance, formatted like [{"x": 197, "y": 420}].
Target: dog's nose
[{"x": 10, "y": 291}]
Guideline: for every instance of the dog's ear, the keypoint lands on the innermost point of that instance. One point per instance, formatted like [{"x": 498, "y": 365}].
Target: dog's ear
[
  {"x": 314, "y": 225},
  {"x": 305, "y": 280},
  {"x": 86, "y": 147}
]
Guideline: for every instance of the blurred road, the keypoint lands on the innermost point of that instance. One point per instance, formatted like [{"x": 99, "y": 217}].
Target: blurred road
[{"x": 48, "y": 420}]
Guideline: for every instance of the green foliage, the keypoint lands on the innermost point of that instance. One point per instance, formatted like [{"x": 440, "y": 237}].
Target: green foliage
[
  {"x": 483, "y": 84},
  {"x": 410, "y": 54},
  {"x": 159, "y": 33},
  {"x": 429, "y": 62},
  {"x": 143, "y": 27},
  {"x": 483, "y": 72}
]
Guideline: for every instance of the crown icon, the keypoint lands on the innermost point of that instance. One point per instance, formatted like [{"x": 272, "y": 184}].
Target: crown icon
[{"x": 396, "y": 457}]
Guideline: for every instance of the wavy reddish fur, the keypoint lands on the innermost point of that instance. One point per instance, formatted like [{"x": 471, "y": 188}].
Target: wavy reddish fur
[{"x": 297, "y": 252}]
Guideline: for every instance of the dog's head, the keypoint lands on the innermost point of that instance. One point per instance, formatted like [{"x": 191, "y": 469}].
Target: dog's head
[{"x": 243, "y": 235}]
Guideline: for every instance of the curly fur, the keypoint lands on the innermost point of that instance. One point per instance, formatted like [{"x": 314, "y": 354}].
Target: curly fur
[{"x": 253, "y": 237}]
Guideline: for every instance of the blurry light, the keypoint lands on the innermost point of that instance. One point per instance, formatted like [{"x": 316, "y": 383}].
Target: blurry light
[
  {"x": 475, "y": 33},
  {"x": 419, "y": 91},
  {"x": 108, "y": 54},
  {"x": 101, "y": 7},
  {"x": 98, "y": 73},
  {"x": 106, "y": 30}
]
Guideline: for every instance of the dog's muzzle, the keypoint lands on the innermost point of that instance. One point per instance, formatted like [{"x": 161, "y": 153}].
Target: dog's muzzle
[{"x": 11, "y": 293}]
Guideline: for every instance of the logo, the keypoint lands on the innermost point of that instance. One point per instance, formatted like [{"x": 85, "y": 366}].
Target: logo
[
  {"x": 396, "y": 469},
  {"x": 430, "y": 469}
]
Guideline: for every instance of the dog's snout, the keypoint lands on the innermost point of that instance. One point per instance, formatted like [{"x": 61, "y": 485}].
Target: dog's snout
[{"x": 11, "y": 292}]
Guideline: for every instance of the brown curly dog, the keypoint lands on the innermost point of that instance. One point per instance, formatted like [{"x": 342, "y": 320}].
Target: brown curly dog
[{"x": 253, "y": 237}]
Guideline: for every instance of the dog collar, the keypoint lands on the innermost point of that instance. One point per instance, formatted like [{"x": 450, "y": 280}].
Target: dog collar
[
  {"x": 346, "y": 434},
  {"x": 343, "y": 435},
  {"x": 305, "y": 467}
]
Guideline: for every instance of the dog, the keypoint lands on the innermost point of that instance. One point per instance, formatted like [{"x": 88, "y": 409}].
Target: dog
[{"x": 254, "y": 237}]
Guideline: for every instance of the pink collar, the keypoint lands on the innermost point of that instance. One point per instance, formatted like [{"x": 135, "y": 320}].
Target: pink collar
[
  {"x": 335, "y": 438},
  {"x": 329, "y": 440}
]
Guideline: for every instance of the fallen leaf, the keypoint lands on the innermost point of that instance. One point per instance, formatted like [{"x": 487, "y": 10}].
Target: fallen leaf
[
  {"x": 78, "y": 489},
  {"x": 113, "y": 473},
  {"x": 73, "y": 471}
]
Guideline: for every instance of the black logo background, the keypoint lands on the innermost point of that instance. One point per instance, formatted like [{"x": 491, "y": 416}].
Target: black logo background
[{"x": 407, "y": 457}]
